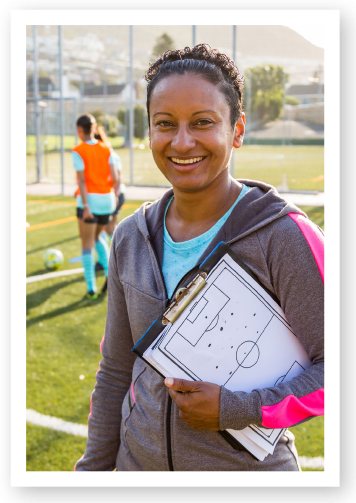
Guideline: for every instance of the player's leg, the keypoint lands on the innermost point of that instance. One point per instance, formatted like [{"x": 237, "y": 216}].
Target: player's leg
[
  {"x": 115, "y": 216},
  {"x": 102, "y": 247},
  {"x": 87, "y": 233},
  {"x": 111, "y": 225}
]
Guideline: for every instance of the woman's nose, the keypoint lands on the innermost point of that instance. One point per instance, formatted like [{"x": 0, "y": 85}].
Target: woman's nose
[{"x": 183, "y": 140}]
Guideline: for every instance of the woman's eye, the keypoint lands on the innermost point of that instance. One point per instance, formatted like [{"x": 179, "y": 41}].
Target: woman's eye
[
  {"x": 163, "y": 123},
  {"x": 203, "y": 122}
]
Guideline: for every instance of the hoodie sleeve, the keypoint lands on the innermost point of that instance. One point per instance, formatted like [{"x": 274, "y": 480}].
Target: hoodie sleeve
[
  {"x": 112, "y": 379},
  {"x": 294, "y": 253}
]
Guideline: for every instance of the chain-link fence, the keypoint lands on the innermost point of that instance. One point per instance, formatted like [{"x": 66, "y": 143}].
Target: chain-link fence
[{"x": 102, "y": 69}]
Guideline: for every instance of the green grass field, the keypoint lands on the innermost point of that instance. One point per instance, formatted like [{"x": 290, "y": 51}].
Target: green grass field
[
  {"x": 303, "y": 166},
  {"x": 64, "y": 331}
]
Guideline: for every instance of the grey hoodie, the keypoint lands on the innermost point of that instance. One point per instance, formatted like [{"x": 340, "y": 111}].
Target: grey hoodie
[{"x": 133, "y": 423}]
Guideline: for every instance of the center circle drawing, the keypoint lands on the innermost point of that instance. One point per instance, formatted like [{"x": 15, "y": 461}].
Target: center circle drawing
[{"x": 247, "y": 354}]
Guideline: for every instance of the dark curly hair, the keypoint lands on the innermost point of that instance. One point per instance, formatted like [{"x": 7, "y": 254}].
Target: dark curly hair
[
  {"x": 202, "y": 60},
  {"x": 86, "y": 121}
]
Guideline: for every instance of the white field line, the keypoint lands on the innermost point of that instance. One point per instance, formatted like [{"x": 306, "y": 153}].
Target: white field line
[
  {"x": 317, "y": 462},
  {"x": 81, "y": 430},
  {"x": 57, "y": 274}
]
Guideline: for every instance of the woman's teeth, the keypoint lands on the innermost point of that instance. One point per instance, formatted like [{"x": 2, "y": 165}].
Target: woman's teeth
[{"x": 187, "y": 161}]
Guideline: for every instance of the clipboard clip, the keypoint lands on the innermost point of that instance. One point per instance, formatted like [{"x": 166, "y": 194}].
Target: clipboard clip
[{"x": 183, "y": 298}]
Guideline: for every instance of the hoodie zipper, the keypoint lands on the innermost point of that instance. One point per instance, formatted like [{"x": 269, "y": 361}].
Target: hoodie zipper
[{"x": 169, "y": 404}]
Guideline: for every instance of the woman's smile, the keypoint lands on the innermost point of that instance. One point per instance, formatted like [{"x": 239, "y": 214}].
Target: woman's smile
[{"x": 188, "y": 164}]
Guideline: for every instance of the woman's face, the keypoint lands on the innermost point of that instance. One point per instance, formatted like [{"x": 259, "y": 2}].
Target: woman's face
[{"x": 191, "y": 136}]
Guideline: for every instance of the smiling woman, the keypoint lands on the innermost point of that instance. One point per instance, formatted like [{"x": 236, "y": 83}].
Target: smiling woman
[{"x": 138, "y": 421}]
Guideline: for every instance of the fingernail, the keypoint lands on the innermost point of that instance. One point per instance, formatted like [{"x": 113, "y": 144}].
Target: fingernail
[{"x": 169, "y": 381}]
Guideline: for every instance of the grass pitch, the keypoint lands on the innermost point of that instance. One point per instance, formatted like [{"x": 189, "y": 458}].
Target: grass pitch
[{"x": 64, "y": 331}]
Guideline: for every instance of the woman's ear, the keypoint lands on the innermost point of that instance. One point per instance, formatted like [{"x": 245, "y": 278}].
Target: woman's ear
[{"x": 239, "y": 132}]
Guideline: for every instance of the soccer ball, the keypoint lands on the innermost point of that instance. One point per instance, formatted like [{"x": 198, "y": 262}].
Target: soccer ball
[{"x": 53, "y": 259}]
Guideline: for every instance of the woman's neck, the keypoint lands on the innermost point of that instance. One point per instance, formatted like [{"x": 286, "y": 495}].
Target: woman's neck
[
  {"x": 192, "y": 213},
  {"x": 88, "y": 137}
]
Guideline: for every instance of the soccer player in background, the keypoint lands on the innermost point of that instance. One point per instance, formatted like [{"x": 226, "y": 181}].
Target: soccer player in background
[
  {"x": 119, "y": 189},
  {"x": 96, "y": 201}
]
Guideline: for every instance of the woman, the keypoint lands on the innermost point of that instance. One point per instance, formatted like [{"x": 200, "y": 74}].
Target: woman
[
  {"x": 95, "y": 198},
  {"x": 119, "y": 187},
  {"x": 138, "y": 421}
]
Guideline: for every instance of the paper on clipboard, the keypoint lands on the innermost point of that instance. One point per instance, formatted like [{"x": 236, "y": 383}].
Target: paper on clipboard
[{"x": 235, "y": 335}]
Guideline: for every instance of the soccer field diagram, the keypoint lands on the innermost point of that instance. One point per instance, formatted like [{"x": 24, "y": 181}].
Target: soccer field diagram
[
  {"x": 272, "y": 435},
  {"x": 229, "y": 339}
]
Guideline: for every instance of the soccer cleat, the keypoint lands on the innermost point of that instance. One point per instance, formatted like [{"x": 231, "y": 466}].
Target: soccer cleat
[
  {"x": 98, "y": 267},
  {"x": 105, "y": 286},
  {"x": 92, "y": 295}
]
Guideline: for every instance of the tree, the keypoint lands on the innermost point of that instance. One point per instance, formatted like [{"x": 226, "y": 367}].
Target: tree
[
  {"x": 291, "y": 100},
  {"x": 266, "y": 91},
  {"x": 112, "y": 122},
  {"x": 140, "y": 120},
  {"x": 163, "y": 43}
]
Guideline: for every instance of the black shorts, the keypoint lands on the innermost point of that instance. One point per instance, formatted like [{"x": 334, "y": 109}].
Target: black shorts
[
  {"x": 98, "y": 219},
  {"x": 119, "y": 204}
]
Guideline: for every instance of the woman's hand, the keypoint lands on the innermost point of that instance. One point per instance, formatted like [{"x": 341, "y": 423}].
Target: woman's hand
[
  {"x": 198, "y": 403},
  {"x": 87, "y": 214}
]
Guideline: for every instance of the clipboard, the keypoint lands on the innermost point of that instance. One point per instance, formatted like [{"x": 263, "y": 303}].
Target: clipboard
[{"x": 182, "y": 300}]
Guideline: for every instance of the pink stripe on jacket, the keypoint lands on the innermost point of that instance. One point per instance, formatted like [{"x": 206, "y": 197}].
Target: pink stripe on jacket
[
  {"x": 292, "y": 410},
  {"x": 314, "y": 237}
]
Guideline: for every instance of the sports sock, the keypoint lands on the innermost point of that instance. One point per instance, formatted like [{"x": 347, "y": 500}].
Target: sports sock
[
  {"x": 105, "y": 236},
  {"x": 89, "y": 269},
  {"x": 102, "y": 249}
]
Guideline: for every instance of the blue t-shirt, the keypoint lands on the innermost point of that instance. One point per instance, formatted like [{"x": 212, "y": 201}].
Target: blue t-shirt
[{"x": 179, "y": 258}]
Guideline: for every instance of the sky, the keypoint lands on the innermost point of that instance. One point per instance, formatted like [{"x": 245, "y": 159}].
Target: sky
[{"x": 313, "y": 33}]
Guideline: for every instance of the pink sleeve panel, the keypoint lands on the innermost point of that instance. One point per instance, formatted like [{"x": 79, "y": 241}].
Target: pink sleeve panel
[
  {"x": 292, "y": 410},
  {"x": 101, "y": 344},
  {"x": 75, "y": 466},
  {"x": 133, "y": 392},
  {"x": 314, "y": 238}
]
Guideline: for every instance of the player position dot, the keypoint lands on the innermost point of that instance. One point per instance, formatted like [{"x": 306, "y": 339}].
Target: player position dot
[
  {"x": 205, "y": 317},
  {"x": 209, "y": 345},
  {"x": 232, "y": 314},
  {"x": 217, "y": 366},
  {"x": 232, "y": 347},
  {"x": 221, "y": 328},
  {"x": 230, "y": 372}
]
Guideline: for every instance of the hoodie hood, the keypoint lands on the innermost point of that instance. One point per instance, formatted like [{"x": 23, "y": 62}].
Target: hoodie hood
[{"x": 259, "y": 207}]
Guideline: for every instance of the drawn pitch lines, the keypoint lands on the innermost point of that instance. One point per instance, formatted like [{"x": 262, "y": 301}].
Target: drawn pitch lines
[{"x": 240, "y": 365}]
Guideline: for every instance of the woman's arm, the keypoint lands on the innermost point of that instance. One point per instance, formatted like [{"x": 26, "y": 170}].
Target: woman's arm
[
  {"x": 112, "y": 379},
  {"x": 87, "y": 214},
  {"x": 117, "y": 184},
  {"x": 295, "y": 261}
]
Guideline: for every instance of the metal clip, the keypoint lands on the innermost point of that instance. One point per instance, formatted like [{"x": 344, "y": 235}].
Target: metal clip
[{"x": 183, "y": 297}]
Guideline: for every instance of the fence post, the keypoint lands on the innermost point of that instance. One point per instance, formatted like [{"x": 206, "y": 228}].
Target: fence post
[
  {"x": 284, "y": 108},
  {"x": 61, "y": 106},
  {"x": 75, "y": 120},
  {"x": 105, "y": 92},
  {"x": 35, "y": 95},
  {"x": 248, "y": 111},
  {"x": 232, "y": 163},
  {"x": 131, "y": 108}
]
